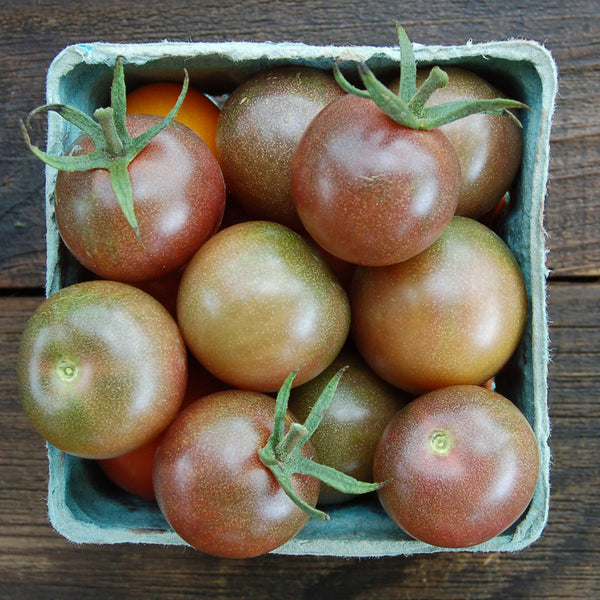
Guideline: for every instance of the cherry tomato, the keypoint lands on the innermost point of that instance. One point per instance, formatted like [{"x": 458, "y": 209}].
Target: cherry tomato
[
  {"x": 164, "y": 289},
  {"x": 256, "y": 302},
  {"x": 462, "y": 464},
  {"x": 489, "y": 146},
  {"x": 198, "y": 112},
  {"x": 343, "y": 270},
  {"x": 133, "y": 471},
  {"x": 213, "y": 488},
  {"x": 370, "y": 191},
  {"x": 362, "y": 407},
  {"x": 102, "y": 369},
  {"x": 179, "y": 199},
  {"x": 258, "y": 130},
  {"x": 452, "y": 314}
]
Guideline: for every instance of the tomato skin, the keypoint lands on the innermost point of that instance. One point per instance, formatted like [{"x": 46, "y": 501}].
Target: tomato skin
[
  {"x": 102, "y": 369},
  {"x": 462, "y": 464},
  {"x": 198, "y": 112},
  {"x": 164, "y": 289},
  {"x": 256, "y": 303},
  {"x": 343, "y": 270},
  {"x": 370, "y": 191},
  {"x": 259, "y": 128},
  {"x": 453, "y": 314},
  {"x": 351, "y": 426},
  {"x": 179, "y": 199},
  {"x": 132, "y": 471},
  {"x": 211, "y": 485}
]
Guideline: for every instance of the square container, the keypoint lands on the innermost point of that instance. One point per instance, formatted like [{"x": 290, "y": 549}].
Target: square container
[{"x": 83, "y": 506}]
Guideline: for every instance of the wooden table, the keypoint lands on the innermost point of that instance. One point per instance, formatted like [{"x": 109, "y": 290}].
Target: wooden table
[{"x": 36, "y": 563}]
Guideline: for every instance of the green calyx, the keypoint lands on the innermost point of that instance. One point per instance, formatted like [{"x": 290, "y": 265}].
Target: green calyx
[
  {"x": 282, "y": 453},
  {"x": 114, "y": 147},
  {"x": 407, "y": 107}
]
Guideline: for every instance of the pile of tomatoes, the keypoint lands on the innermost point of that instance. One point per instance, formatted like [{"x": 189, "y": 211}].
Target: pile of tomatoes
[{"x": 297, "y": 229}]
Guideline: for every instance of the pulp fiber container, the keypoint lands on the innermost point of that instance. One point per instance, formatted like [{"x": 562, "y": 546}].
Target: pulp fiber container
[{"x": 83, "y": 506}]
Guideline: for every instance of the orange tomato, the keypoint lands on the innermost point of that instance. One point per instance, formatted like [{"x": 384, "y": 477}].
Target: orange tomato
[{"x": 198, "y": 112}]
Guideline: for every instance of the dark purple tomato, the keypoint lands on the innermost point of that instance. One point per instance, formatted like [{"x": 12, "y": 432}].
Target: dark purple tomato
[
  {"x": 462, "y": 464},
  {"x": 102, "y": 369},
  {"x": 256, "y": 303},
  {"x": 453, "y": 314},
  {"x": 213, "y": 488},
  {"x": 362, "y": 407},
  {"x": 179, "y": 199},
  {"x": 370, "y": 191},
  {"x": 258, "y": 130},
  {"x": 489, "y": 147}
]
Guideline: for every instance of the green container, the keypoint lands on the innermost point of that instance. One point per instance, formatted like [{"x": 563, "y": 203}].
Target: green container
[{"x": 83, "y": 506}]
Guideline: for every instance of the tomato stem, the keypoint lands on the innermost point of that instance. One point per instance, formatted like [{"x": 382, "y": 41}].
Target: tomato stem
[
  {"x": 441, "y": 442},
  {"x": 407, "y": 107},
  {"x": 114, "y": 148},
  {"x": 437, "y": 79},
  {"x": 290, "y": 440},
  {"x": 67, "y": 370},
  {"x": 106, "y": 119},
  {"x": 282, "y": 452}
]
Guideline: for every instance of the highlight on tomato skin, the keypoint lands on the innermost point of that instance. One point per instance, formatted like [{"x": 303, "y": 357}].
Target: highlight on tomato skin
[{"x": 198, "y": 111}]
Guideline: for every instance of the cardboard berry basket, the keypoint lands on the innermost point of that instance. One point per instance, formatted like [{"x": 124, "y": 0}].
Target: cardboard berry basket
[{"x": 83, "y": 506}]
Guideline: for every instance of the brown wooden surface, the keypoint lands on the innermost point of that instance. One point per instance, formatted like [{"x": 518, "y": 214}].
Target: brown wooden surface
[{"x": 36, "y": 563}]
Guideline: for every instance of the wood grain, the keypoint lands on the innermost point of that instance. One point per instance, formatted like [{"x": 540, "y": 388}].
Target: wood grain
[{"x": 38, "y": 564}]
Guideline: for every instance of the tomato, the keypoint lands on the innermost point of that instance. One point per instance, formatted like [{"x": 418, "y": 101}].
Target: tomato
[
  {"x": 259, "y": 128},
  {"x": 179, "y": 199},
  {"x": 133, "y": 471},
  {"x": 102, "y": 369},
  {"x": 213, "y": 488},
  {"x": 164, "y": 289},
  {"x": 360, "y": 410},
  {"x": 198, "y": 112},
  {"x": 256, "y": 302},
  {"x": 343, "y": 270},
  {"x": 489, "y": 146},
  {"x": 371, "y": 191},
  {"x": 453, "y": 314},
  {"x": 462, "y": 464}
]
